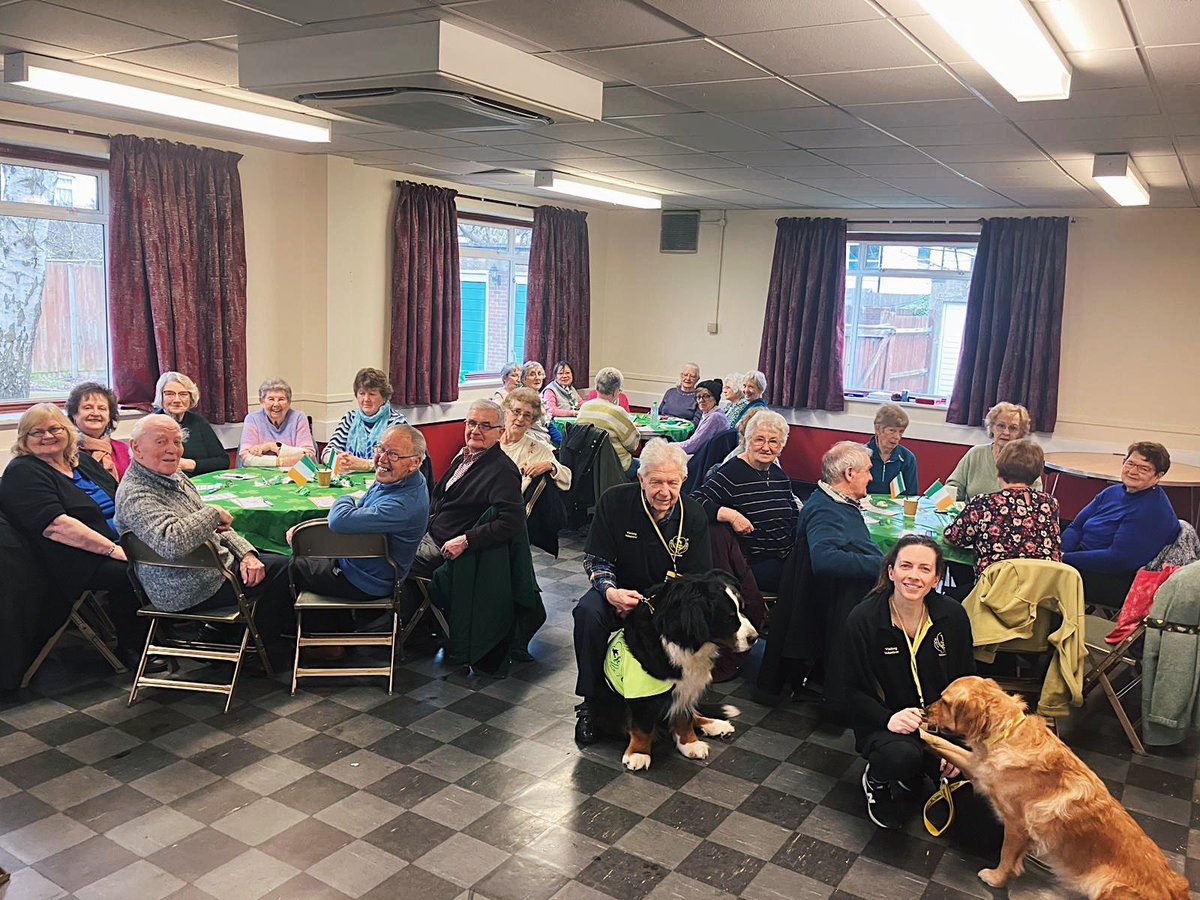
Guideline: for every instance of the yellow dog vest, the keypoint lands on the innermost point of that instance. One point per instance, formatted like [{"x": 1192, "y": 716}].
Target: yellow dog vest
[{"x": 625, "y": 674}]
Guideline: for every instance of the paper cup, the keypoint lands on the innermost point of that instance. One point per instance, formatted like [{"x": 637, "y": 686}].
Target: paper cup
[
  {"x": 324, "y": 476},
  {"x": 910, "y": 507}
]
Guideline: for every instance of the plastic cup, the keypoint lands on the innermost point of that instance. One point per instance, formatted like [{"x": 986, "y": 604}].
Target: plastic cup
[
  {"x": 910, "y": 507},
  {"x": 324, "y": 476}
]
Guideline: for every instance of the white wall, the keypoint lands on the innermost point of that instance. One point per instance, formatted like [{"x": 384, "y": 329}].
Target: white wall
[{"x": 1130, "y": 335}]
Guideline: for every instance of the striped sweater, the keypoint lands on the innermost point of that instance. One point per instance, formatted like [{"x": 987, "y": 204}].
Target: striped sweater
[
  {"x": 765, "y": 498},
  {"x": 342, "y": 432}
]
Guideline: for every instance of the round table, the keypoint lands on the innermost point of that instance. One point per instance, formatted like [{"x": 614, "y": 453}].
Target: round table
[
  {"x": 266, "y": 527},
  {"x": 1107, "y": 467},
  {"x": 886, "y": 523}
]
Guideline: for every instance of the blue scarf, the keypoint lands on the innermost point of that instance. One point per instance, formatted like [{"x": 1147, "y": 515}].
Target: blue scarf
[{"x": 366, "y": 431}]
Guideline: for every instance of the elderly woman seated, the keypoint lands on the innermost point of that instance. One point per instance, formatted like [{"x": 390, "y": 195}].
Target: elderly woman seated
[
  {"x": 731, "y": 390},
  {"x": 755, "y": 497},
  {"x": 93, "y": 409},
  {"x": 164, "y": 510},
  {"x": 522, "y": 407},
  {"x": 1124, "y": 527},
  {"x": 62, "y": 501},
  {"x": 561, "y": 398},
  {"x": 603, "y": 412},
  {"x": 1015, "y": 522},
  {"x": 533, "y": 376},
  {"x": 510, "y": 377},
  {"x": 352, "y": 446},
  {"x": 890, "y": 461},
  {"x": 976, "y": 472},
  {"x": 753, "y": 386},
  {"x": 712, "y": 420},
  {"x": 275, "y": 435},
  {"x": 176, "y": 395},
  {"x": 838, "y": 541}
]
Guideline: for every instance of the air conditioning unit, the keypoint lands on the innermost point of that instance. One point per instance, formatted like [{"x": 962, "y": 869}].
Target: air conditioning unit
[
  {"x": 679, "y": 231},
  {"x": 431, "y": 76}
]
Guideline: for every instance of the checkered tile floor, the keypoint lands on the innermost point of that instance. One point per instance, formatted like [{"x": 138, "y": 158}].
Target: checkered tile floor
[{"x": 458, "y": 786}]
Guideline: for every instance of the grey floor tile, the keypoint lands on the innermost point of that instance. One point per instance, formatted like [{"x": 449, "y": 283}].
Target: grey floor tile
[
  {"x": 246, "y": 877},
  {"x": 462, "y": 860},
  {"x": 356, "y": 868}
]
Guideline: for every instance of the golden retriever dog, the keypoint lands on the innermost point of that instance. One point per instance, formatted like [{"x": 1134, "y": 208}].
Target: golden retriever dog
[{"x": 1051, "y": 804}]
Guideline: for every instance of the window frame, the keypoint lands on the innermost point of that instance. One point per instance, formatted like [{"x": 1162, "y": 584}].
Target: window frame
[
  {"x": 903, "y": 239},
  {"x": 80, "y": 164},
  {"x": 480, "y": 379}
]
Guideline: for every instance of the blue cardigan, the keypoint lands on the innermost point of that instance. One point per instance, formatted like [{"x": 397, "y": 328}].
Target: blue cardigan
[
  {"x": 1120, "y": 531},
  {"x": 839, "y": 544},
  {"x": 902, "y": 462}
]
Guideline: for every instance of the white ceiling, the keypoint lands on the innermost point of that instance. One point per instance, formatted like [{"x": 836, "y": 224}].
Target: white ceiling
[{"x": 726, "y": 103}]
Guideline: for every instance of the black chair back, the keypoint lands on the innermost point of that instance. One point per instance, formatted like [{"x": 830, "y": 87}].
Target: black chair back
[
  {"x": 710, "y": 453},
  {"x": 579, "y": 451}
]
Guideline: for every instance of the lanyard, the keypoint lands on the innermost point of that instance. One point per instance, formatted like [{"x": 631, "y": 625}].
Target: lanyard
[
  {"x": 913, "y": 645},
  {"x": 676, "y": 546}
]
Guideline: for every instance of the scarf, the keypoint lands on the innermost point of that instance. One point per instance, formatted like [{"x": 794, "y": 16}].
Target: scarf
[
  {"x": 101, "y": 451},
  {"x": 366, "y": 431},
  {"x": 567, "y": 396}
]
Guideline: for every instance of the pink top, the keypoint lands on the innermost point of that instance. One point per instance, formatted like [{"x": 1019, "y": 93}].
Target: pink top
[
  {"x": 622, "y": 400},
  {"x": 121, "y": 457}
]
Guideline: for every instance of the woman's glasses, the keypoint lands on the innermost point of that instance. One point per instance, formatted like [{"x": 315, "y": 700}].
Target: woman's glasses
[
  {"x": 54, "y": 431},
  {"x": 520, "y": 414}
]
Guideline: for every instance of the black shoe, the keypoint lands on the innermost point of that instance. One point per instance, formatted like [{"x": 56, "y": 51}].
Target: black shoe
[
  {"x": 585, "y": 728},
  {"x": 155, "y": 665},
  {"x": 884, "y": 810}
]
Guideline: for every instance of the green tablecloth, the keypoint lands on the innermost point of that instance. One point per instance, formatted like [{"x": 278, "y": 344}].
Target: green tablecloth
[
  {"x": 267, "y": 528},
  {"x": 887, "y": 529},
  {"x": 669, "y": 427}
]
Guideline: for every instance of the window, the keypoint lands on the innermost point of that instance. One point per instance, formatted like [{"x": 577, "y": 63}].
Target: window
[
  {"x": 494, "y": 271},
  {"x": 53, "y": 295},
  {"x": 906, "y": 307}
]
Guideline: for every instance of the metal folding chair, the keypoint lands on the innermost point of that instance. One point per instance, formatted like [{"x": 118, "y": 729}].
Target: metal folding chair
[
  {"x": 427, "y": 606},
  {"x": 1106, "y": 660},
  {"x": 86, "y": 607},
  {"x": 205, "y": 556},
  {"x": 315, "y": 540}
]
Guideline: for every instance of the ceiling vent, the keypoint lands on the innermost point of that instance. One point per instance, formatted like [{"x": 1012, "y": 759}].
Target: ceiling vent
[
  {"x": 431, "y": 76},
  {"x": 679, "y": 231}
]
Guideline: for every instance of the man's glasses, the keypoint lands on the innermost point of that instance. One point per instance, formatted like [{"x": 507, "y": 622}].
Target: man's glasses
[
  {"x": 54, "y": 431},
  {"x": 393, "y": 455},
  {"x": 481, "y": 427}
]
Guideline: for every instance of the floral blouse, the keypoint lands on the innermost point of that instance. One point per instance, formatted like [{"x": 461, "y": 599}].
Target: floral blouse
[{"x": 1008, "y": 524}]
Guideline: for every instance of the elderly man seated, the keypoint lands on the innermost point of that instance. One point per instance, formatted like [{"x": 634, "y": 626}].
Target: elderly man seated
[
  {"x": 162, "y": 507},
  {"x": 838, "y": 541},
  {"x": 481, "y": 475},
  {"x": 680, "y": 401},
  {"x": 641, "y": 534},
  {"x": 603, "y": 412}
]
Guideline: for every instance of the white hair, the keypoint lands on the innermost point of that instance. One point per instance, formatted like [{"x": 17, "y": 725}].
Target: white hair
[
  {"x": 157, "y": 420},
  {"x": 609, "y": 380},
  {"x": 759, "y": 378},
  {"x": 768, "y": 420},
  {"x": 489, "y": 406},
  {"x": 842, "y": 456},
  {"x": 659, "y": 454},
  {"x": 188, "y": 385},
  {"x": 733, "y": 380},
  {"x": 274, "y": 384}
]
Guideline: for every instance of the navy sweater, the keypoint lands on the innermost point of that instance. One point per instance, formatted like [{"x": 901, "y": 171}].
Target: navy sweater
[{"x": 1120, "y": 531}]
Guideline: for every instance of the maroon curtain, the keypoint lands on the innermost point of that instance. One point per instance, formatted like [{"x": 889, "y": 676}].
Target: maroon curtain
[
  {"x": 177, "y": 272},
  {"x": 801, "y": 351},
  {"x": 1011, "y": 339},
  {"x": 558, "y": 313},
  {"x": 426, "y": 344}
]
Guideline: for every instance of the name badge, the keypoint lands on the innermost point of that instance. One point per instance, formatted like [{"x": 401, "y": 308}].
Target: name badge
[
  {"x": 891, "y": 651},
  {"x": 632, "y": 535}
]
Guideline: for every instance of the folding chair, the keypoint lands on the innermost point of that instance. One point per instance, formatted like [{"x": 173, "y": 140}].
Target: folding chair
[
  {"x": 1107, "y": 659},
  {"x": 427, "y": 606},
  {"x": 314, "y": 540},
  {"x": 203, "y": 557},
  {"x": 88, "y": 602}
]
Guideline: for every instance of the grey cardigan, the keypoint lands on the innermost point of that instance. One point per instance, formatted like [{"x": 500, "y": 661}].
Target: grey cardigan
[{"x": 166, "y": 512}]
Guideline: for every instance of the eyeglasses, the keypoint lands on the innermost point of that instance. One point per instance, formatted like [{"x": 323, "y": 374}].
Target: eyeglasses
[
  {"x": 481, "y": 427},
  {"x": 175, "y": 395},
  {"x": 1140, "y": 468},
  {"x": 521, "y": 414},
  {"x": 704, "y": 395},
  {"x": 393, "y": 456},
  {"x": 54, "y": 431},
  {"x": 760, "y": 442}
]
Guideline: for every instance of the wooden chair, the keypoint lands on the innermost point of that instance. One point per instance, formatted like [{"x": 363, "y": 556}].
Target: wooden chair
[
  {"x": 205, "y": 556},
  {"x": 93, "y": 631},
  {"x": 314, "y": 540}
]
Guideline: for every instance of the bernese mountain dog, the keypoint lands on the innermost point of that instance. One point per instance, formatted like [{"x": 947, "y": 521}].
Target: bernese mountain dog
[{"x": 659, "y": 665}]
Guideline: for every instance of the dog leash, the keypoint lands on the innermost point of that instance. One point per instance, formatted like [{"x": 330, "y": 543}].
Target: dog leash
[{"x": 944, "y": 792}]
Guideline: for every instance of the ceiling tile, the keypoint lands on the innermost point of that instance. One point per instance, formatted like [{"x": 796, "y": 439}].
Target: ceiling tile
[
  {"x": 607, "y": 164},
  {"x": 197, "y": 59},
  {"x": 191, "y": 19},
  {"x": 637, "y": 147},
  {"x": 1175, "y": 65},
  {"x": 588, "y": 23},
  {"x": 953, "y": 135},
  {"x": 627, "y": 100},
  {"x": 838, "y": 137},
  {"x": 852, "y": 156},
  {"x": 931, "y": 112},
  {"x": 10, "y": 43},
  {"x": 1128, "y": 101},
  {"x": 950, "y": 190},
  {"x": 1027, "y": 168},
  {"x": 1101, "y": 127},
  {"x": 408, "y": 140},
  {"x": 888, "y": 171},
  {"x": 1018, "y": 150},
  {"x": 1106, "y": 69},
  {"x": 681, "y": 62},
  {"x": 555, "y": 150},
  {"x": 934, "y": 38},
  {"x": 805, "y": 173},
  {"x": 670, "y": 181},
  {"x": 1074, "y": 197},
  {"x": 774, "y": 158},
  {"x": 1171, "y": 197},
  {"x": 744, "y": 95},
  {"x": 117, "y": 64},
  {"x": 306, "y": 12},
  {"x": 706, "y": 132},
  {"x": 781, "y": 120},
  {"x": 1166, "y": 21},
  {"x": 735, "y": 139},
  {"x": 485, "y": 154},
  {"x": 1181, "y": 99},
  {"x": 885, "y": 86},
  {"x": 720, "y": 17},
  {"x": 830, "y": 48},
  {"x": 40, "y": 21},
  {"x": 584, "y": 131},
  {"x": 1082, "y": 25},
  {"x": 683, "y": 162}
]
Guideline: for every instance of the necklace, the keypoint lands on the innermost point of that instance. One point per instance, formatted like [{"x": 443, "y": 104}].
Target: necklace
[{"x": 676, "y": 546}]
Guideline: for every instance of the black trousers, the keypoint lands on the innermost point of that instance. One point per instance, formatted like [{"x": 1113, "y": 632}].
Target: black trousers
[
  {"x": 324, "y": 576},
  {"x": 595, "y": 620},
  {"x": 273, "y": 595},
  {"x": 899, "y": 757},
  {"x": 1105, "y": 588}
]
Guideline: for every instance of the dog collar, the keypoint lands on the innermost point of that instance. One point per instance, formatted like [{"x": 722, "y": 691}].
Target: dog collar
[
  {"x": 649, "y": 605},
  {"x": 1003, "y": 736}
]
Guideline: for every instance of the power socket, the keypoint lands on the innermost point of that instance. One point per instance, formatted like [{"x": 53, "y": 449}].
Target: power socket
[{"x": 712, "y": 327}]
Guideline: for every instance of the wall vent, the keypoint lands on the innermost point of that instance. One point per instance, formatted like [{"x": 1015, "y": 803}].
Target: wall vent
[{"x": 679, "y": 231}]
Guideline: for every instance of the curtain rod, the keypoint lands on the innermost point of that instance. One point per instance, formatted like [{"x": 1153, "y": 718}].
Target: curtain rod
[
  {"x": 923, "y": 221},
  {"x": 501, "y": 202},
  {"x": 55, "y": 128}
]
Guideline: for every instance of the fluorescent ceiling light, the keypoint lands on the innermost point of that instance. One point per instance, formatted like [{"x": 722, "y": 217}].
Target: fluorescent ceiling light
[
  {"x": 1116, "y": 173},
  {"x": 590, "y": 190},
  {"x": 69, "y": 80},
  {"x": 1008, "y": 39}
]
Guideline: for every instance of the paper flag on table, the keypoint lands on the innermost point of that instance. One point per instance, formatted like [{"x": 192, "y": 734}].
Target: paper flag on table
[
  {"x": 941, "y": 496},
  {"x": 333, "y": 466},
  {"x": 897, "y": 486},
  {"x": 303, "y": 471}
]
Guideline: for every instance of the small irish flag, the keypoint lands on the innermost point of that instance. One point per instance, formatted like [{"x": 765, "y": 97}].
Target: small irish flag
[
  {"x": 941, "y": 496},
  {"x": 897, "y": 486},
  {"x": 304, "y": 471}
]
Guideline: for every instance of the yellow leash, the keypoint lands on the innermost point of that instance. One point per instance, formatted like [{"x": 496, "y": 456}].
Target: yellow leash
[{"x": 946, "y": 790}]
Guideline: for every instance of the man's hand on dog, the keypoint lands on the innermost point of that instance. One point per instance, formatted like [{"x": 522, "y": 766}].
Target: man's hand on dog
[{"x": 622, "y": 600}]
